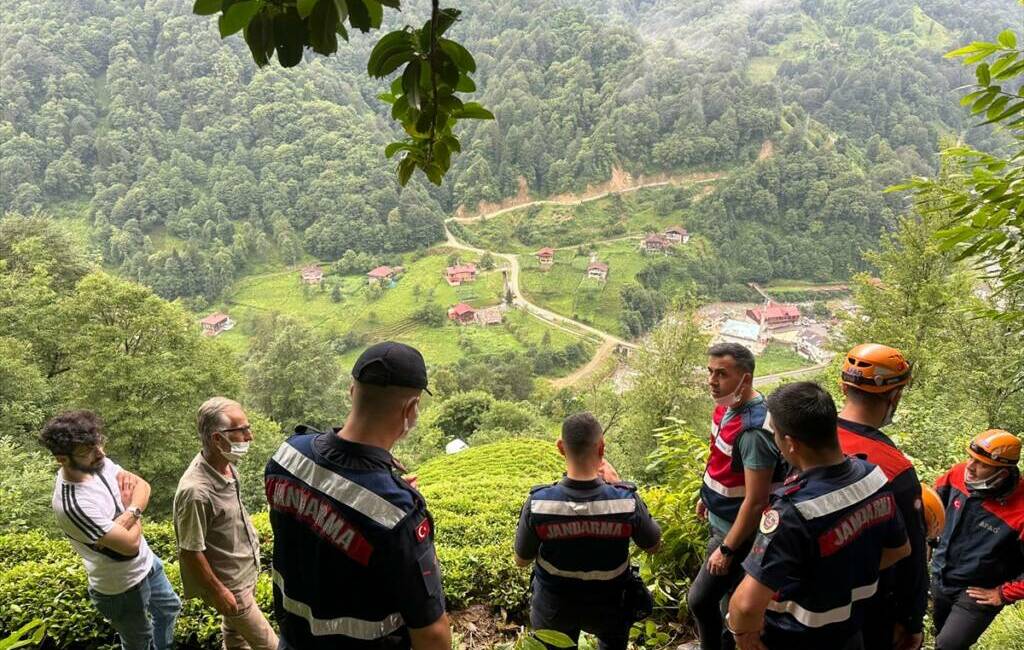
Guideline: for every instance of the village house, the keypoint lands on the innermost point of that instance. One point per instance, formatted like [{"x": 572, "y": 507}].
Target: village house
[
  {"x": 811, "y": 344},
  {"x": 489, "y": 316},
  {"x": 677, "y": 235},
  {"x": 216, "y": 323},
  {"x": 597, "y": 271},
  {"x": 383, "y": 274},
  {"x": 462, "y": 314},
  {"x": 546, "y": 257},
  {"x": 456, "y": 275},
  {"x": 654, "y": 244},
  {"x": 312, "y": 274},
  {"x": 775, "y": 316}
]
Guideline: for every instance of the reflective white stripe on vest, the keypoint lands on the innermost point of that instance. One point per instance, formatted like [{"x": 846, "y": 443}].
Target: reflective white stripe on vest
[
  {"x": 843, "y": 497},
  {"x": 723, "y": 446},
  {"x": 338, "y": 487},
  {"x": 582, "y": 575},
  {"x": 583, "y": 508},
  {"x": 731, "y": 492},
  {"x": 820, "y": 619},
  {"x": 767, "y": 425},
  {"x": 355, "y": 628}
]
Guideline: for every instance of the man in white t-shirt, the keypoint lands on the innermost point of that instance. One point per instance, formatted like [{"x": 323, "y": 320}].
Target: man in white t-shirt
[{"x": 99, "y": 507}]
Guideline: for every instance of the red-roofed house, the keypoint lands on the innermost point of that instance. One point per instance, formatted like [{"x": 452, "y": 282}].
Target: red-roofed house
[
  {"x": 456, "y": 275},
  {"x": 775, "y": 315},
  {"x": 462, "y": 313},
  {"x": 653, "y": 244},
  {"x": 312, "y": 274},
  {"x": 216, "y": 323},
  {"x": 546, "y": 257},
  {"x": 597, "y": 271},
  {"x": 382, "y": 274},
  {"x": 677, "y": 235}
]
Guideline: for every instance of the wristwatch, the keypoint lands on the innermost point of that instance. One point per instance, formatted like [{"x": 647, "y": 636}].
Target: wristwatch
[
  {"x": 135, "y": 511},
  {"x": 726, "y": 551}
]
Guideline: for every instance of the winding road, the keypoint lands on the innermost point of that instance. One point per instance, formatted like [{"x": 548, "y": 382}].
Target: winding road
[{"x": 609, "y": 342}]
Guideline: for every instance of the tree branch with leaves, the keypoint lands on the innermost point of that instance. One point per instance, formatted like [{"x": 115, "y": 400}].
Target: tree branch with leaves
[{"x": 422, "y": 97}]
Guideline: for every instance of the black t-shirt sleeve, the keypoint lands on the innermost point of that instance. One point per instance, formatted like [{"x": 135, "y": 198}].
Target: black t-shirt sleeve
[
  {"x": 646, "y": 531},
  {"x": 895, "y": 532},
  {"x": 416, "y": 573},
  {"x": 779, "y": 549},
  {"x": 527, "y": 543}
]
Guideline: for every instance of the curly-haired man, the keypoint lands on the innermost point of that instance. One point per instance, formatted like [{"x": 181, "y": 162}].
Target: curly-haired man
[{"x": 99, "y": 507}]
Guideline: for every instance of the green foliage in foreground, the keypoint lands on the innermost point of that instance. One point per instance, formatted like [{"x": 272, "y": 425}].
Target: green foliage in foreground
[{"x": 475, "y": 497}]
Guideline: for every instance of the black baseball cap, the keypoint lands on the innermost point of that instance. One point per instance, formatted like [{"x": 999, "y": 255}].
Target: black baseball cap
[{"x": 391, "y": 364}]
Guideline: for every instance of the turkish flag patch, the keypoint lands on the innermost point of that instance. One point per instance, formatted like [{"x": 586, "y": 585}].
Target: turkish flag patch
[{"x": 423, "y": 530}]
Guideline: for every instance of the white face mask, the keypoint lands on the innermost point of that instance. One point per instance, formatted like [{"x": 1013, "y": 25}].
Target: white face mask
[
  {"x": 237, "y": 451},
  {"x": 989, "y": 483},
  {"x": 733, "y": 399}
]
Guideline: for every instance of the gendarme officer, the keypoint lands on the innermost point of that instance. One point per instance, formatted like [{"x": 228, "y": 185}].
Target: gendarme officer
[
  {"x": 354, "y": 560},
  {"x": 823, "y": 540},
  {"x": 577, "y": 531}
]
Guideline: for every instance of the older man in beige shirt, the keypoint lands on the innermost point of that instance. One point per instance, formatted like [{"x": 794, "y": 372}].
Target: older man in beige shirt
[{"x": 217, "y": 545}]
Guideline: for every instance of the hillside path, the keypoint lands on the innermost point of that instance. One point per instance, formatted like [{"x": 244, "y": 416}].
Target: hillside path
[
  {"x": 572, "y": 200},
  {"x": 518, "y": 299}
]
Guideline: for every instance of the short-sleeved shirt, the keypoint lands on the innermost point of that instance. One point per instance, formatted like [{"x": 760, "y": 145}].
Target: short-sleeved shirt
[
  {"x": 757, "y": 451},
  {"x": 209, "y": 517},
  {"x": 86, "y": 512}
]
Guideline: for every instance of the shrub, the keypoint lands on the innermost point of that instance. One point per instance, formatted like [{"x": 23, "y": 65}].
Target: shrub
[{"x": 475, "y": 497}]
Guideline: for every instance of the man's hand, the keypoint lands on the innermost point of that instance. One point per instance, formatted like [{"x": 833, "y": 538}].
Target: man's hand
[
  {"x": 126, "y": 520},
  {"x": 702, "y": 510},
  {"x": 224, "y": 602},
  {"x": 718, "y": 564},
  {"x": 986, "y": 596},
  {"x": 749, "y": 641},
  {"x": 126, "y": 482},
  {"x": 607, "y": 472},
  {"x": 413, "y": 480}
]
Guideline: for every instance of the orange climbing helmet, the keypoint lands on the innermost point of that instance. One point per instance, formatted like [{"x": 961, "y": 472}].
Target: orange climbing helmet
[
  {"x": 996, "y": 447},
  {"x": 875, "y": 368},
  {"x": 934, "y": 513}
]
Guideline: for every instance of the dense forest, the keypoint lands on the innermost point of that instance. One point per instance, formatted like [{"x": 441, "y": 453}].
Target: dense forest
[{"x": 188, "y": 165}]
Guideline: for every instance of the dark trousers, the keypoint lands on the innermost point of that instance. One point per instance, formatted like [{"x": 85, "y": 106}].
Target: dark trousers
[
  {"x": 602, "y": 617},
  {"x": 879, "y": 622},
  {"x": 959, "y": 619},
  {"x": 708, "y": 598}
]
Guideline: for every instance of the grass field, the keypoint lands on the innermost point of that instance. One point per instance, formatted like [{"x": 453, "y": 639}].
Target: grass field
[
  {"x": 528, "y": 229},
  {"x": 391, "y": 315},
  {"x": 780, "y": 358},
  {"x": 565, "y": 289}
]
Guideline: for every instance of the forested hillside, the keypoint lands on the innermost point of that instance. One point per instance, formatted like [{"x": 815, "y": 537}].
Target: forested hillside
[{"x": 189, "y": 166}]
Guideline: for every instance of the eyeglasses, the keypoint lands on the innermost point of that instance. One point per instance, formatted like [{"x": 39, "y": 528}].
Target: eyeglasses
[{"x": 244, "y": 429}]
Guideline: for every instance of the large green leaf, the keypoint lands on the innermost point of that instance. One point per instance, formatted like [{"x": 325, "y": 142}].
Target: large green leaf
[
  {"x": 259, "y": 36},
  {"x": 411, "y": 85},
  {"x": 474, "y": 111},
  {"x": 206, "y": 7},
  {"x": 305, "y": 7},
  {"x": 323, "y": 36},
  {"x": 555, "y": 638},
  {"x": 391, "y": 51},
  {"x": 460, "y": 55},
  {"x": 289, "y": 37},
  {"x": 238, "y": 16}
]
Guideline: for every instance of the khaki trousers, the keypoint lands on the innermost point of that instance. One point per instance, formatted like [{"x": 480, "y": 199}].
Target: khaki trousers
[{"x": 248, "y": 629}]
